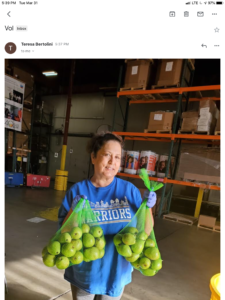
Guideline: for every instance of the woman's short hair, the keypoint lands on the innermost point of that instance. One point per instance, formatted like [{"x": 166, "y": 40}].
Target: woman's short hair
[{"x": 99, "y": 140}]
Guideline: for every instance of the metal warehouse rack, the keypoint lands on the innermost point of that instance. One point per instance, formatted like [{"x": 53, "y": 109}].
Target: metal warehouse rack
[{"x": 183, "y": 94}]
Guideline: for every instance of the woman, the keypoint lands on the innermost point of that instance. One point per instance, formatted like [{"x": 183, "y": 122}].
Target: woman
[
  {"x": 162, "y": 166},
  {"x": 142, "y": 163},
  {"x": 130, "y": 162},
  {"x": 104, "y": 277}
]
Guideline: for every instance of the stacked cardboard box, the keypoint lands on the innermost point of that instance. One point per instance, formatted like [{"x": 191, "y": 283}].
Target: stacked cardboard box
[
  {"x": 199, "y": 163},
  {"x": 169, "y": 72},
  {"x": 21, "y": 142},
  {"x": 218, "y": 123},
  {"x": 138, "y": 74},
  {"x": 10, "y": 142},
  {"x": 208, "y": 115},
  {"x": 190, "y": 120},
  {"x": 160, "y": 120},
  {"x": 26, "y": 120}
]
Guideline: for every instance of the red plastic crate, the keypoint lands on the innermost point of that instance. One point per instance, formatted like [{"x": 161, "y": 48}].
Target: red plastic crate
[{"x": 38, "y": 180}]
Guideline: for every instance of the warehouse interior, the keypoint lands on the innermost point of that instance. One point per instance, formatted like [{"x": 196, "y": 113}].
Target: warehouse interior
[{"x": 167, "y": 110}]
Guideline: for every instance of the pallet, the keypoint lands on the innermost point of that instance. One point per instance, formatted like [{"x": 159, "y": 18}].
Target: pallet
[
  {"x": 132, "y": 88},
  {"x": 217, "y": 133},
  {"x": 179, "y": 218},
  {"x": 157, "y": 131},
  {"x": 154, "y": 87},
  {"x": 193, "y": 132},
  {"x": 208, "y": 223},
  {"x": 216, "y": 228}
]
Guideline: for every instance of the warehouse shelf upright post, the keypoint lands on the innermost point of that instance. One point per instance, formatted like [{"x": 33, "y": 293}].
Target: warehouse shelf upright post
[
  {"x": 190, "y": 138},
  {"x": 187, "y": 65},
  {"x": 118, "y": 100},
  {"x": 41, "y": 136},
  {"x": 31, "y": 129}
]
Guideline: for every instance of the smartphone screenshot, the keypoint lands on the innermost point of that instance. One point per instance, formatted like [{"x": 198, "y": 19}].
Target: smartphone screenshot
[{"x": 112, "y": 174}]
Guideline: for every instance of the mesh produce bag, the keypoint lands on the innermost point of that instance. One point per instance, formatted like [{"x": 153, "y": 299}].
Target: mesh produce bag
[
  {"x": 136, "y": 242},
  {"x": 79, "y": 239}
]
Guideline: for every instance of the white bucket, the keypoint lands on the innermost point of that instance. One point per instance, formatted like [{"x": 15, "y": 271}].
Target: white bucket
[
  {"x": 147, "y": 161},
  {"x": 131, "y": 162},
  {"x": 153, "y": 173},
  {"x": 123, "y": 157},
  {"x": 162, "y": 163}
]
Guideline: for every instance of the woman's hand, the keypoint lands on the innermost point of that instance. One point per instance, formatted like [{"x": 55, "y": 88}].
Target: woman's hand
[{"x": 151, "y": 198}]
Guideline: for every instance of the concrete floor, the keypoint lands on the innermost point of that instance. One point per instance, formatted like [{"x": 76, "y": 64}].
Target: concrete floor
[{"x": 190, "y": 255}]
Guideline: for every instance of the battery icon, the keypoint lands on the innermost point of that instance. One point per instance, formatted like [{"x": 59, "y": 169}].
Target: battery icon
[{"x": 219, "y": 3}]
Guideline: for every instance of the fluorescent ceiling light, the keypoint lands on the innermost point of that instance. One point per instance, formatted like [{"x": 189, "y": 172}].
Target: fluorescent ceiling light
[{"x": 50, "y": 73}]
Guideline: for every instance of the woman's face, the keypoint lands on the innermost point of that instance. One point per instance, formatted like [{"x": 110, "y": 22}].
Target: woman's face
[
  {"x": 107, "y": 161},
  {"x": 143, "y": 160},
  {"x": 162, "y": 164}
]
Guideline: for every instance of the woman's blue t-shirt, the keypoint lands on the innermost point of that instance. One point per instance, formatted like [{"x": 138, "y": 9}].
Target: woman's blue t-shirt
[{"x": 116, "y": 204}]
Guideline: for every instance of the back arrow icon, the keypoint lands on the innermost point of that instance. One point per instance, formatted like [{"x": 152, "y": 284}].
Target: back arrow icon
[{"x": 9, "y": 13}]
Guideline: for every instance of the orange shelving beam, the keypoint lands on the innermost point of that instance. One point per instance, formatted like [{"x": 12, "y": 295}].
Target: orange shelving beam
[
  {"x": 179, "y": 90},
  {"x": 171, "y": 136},
  {"x": 215, "y": 143},
  {"x": 193, "y": 184},
  {"x": 177, "y": 182},
  {"x": 137, "y": 177}
]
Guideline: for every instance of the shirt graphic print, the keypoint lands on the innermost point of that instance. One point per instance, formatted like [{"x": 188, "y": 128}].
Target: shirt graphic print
[{"x": 113, "y": 211}]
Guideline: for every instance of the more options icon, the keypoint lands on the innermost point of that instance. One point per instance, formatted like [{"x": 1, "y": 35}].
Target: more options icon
[{"x": 10, "y": 48}]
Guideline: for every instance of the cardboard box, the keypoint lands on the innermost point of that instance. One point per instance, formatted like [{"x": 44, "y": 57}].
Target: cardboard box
[
  {"x": 24, "y": 76},
  {"x": 10, "y": 142},
  {"x": 204, "y": 127},
  {"x": 201, "y": 162},
  {"x": 189, "y": 124},
  {"x": 210, "y": 126},
  {"x": 26, "y": 123},
  {"x": 218, "y": 124},
  {"x": 137, "y": 73},
  {"x": 21, "y": 140},
  {"x": 204, "y": 122},
  {"x": 206, "y": 107},
  {"x": 170, "y": 72},
  {"x": 160, "y": 120},
  {"x": 190, "y": 114},
  {"x": 28, "y": 94},
  {"x": 206, "y": 221},
  {"x": 206, "y": 117}
]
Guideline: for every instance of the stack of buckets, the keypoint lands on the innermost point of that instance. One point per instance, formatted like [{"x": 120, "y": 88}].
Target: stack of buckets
[{"x": 133, "y": 161}]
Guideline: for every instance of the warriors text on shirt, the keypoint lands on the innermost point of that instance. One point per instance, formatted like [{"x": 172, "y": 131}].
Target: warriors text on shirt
[{"x": 115, "y": 211}]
